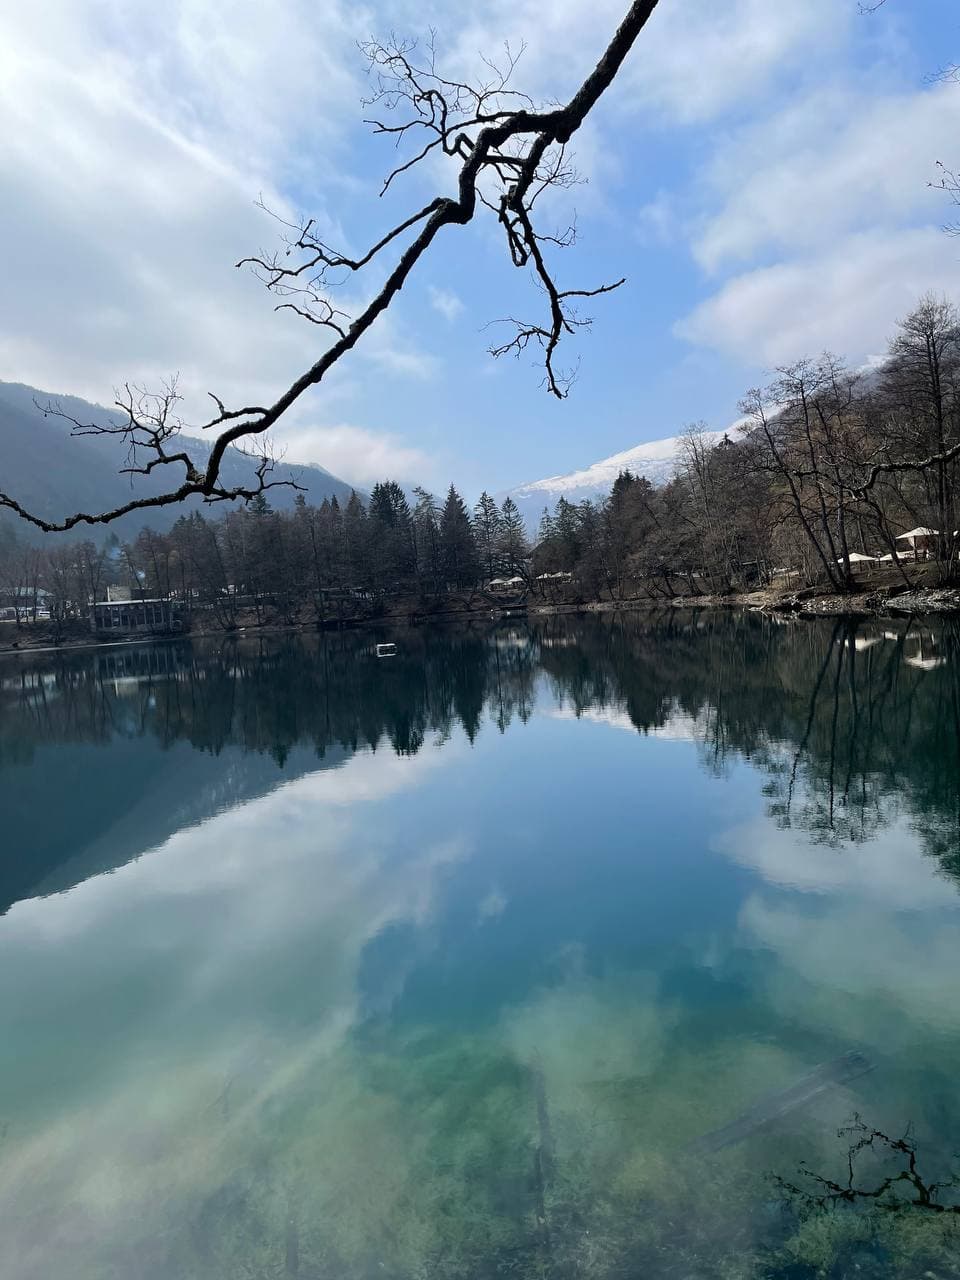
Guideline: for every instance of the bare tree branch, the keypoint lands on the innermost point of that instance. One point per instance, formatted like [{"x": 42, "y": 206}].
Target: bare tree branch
[
  {"x": 509, "y": 153},
  {"x": 949, "y": 181}
]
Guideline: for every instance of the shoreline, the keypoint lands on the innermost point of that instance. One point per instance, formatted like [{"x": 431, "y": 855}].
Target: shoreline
[{"x": 806, "y": 604}]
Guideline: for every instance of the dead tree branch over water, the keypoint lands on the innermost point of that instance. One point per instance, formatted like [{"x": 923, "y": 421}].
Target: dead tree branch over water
[{"x": 509, "y": 153}]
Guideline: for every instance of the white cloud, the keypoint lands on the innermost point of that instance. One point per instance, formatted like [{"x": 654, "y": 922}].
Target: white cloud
[
  {"x": 359, "y": 454},
  {"x": 446, "y": 302},
  {"x": 700, "y": 58},
  {"x": 133, "y": 144},
  {"x": 657, "y": 222},
  {"x": 829, "y": 197},
  {"x": 693, "y": 60},
  {"x": 827, "y": 164},
  {"x": 846, "y": 298}
]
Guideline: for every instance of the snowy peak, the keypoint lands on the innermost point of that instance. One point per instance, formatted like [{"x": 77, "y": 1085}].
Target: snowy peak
[{"x": 657, "y": 460}]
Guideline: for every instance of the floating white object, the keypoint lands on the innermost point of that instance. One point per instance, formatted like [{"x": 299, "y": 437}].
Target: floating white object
[{"x": 386, "y": 650}]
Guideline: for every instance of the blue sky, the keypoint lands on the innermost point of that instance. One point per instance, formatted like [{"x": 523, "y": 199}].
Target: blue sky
[{"x": 758, "y": 172}]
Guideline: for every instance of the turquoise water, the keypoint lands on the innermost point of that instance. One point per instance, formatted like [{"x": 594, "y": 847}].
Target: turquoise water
[{"x": 318, "y": 964}]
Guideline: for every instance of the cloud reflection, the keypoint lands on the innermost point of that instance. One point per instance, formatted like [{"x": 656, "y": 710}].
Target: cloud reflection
[{"x": 217, "y": 927}]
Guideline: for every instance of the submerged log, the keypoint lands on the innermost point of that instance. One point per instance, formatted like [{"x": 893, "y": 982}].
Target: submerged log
[{"x": 773, "y": 1106}]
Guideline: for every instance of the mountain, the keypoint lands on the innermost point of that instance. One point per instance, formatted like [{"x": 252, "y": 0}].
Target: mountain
[
  {"x": 657, "y": 460},
  {"x": 55, "y": 474}
]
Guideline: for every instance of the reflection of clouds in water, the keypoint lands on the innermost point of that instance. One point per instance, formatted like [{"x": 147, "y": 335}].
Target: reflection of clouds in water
[
  {"x": 848, "y": 951},
  {"x": 216, "y": 927},
  {"x": 588, "y": 1030},
  {"x": 889, "y": 869},
  {"x": 868, "y": 953},
  {"x": 678, "y": 727},
  {"x": 242, "y": 849},
  {"x": 491, "y": 905}
]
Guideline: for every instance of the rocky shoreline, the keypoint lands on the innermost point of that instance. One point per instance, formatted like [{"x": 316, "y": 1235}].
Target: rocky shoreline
[
  {"x": 809, "y": 602},
  {"x": 812, "y": 603}
]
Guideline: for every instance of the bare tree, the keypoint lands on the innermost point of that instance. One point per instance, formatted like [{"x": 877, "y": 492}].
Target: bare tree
[{"x": 509, "y": 152}]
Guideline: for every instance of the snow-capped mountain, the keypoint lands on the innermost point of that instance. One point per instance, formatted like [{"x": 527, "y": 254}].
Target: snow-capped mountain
[{"x": 656, "y": 460}]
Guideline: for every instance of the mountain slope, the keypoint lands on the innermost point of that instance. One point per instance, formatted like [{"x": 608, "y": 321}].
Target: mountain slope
[
  {"x": 55, "y": 474},
  {"x": 657, "y": 460}
]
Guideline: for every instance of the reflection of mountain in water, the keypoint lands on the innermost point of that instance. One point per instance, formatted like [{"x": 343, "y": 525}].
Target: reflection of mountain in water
[{"x": 854, "y": 726}]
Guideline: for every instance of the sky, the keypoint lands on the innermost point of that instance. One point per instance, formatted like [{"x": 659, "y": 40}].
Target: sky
[{"x": 759, "y": 172}]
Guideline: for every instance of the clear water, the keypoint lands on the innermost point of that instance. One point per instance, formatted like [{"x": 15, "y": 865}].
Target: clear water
[{"x": 319, "y": 964}]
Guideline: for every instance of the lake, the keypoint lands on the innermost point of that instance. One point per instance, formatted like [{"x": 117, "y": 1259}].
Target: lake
[{"x": 449, "y": 964}]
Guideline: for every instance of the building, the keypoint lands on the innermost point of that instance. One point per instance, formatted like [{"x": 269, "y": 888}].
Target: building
[
  {"x": 23, "y": 604},
  {"x": 136, "y": 617}
]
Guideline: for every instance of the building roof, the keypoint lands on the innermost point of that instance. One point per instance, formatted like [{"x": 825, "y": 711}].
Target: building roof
[{"x": 123, "y": 604}]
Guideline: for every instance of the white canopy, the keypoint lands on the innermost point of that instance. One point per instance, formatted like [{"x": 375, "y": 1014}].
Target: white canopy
[
  {"x": 857, "y": 557},
  {"x": 918, "y": 533}
]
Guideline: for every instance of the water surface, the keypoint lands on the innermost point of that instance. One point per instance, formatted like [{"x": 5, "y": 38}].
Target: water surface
[{"x": 439, "y": 965}]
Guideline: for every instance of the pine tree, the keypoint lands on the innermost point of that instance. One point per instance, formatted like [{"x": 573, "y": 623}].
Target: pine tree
[
  {"x": 355, "y": 545},
  {"x": 458, "y": 546},
  {"x": 486, "y": 526},
  {"x": 548, "y": 527},
  {"x": 426, "y": 532},
  {"x": 568, "y": 535},
  {"x": 514, "y": 549},
  {"x": 392, "y": 539}
]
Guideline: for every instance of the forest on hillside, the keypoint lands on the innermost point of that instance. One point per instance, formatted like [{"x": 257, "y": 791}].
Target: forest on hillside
[{"x": 830, "y": 465}]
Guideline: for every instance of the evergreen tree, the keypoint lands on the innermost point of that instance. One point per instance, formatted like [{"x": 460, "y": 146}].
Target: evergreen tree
[
  {"x": 426, "y": 530},
  {"x": 355, "y": 566},
  {"x": 486, "y": 526},
  {"x": 458, "y": 546},
  {"x": 567, "y": 535},
  {"x": 548, "y": 527},
  {"x": 391, "y": 532},
  {"x": 513, "y": 547}
]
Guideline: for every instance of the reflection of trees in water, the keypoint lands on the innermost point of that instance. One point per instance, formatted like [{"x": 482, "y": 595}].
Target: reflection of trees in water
[
  {"x": 892, "y": 1210},
  {"x": 852, "y": 724},
  {"x": 450, "y": 1159},
  {"x": 848, "y": 729},
  {"x": 899, "y": 1184},
  {"x": 270, "y": 695}
]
